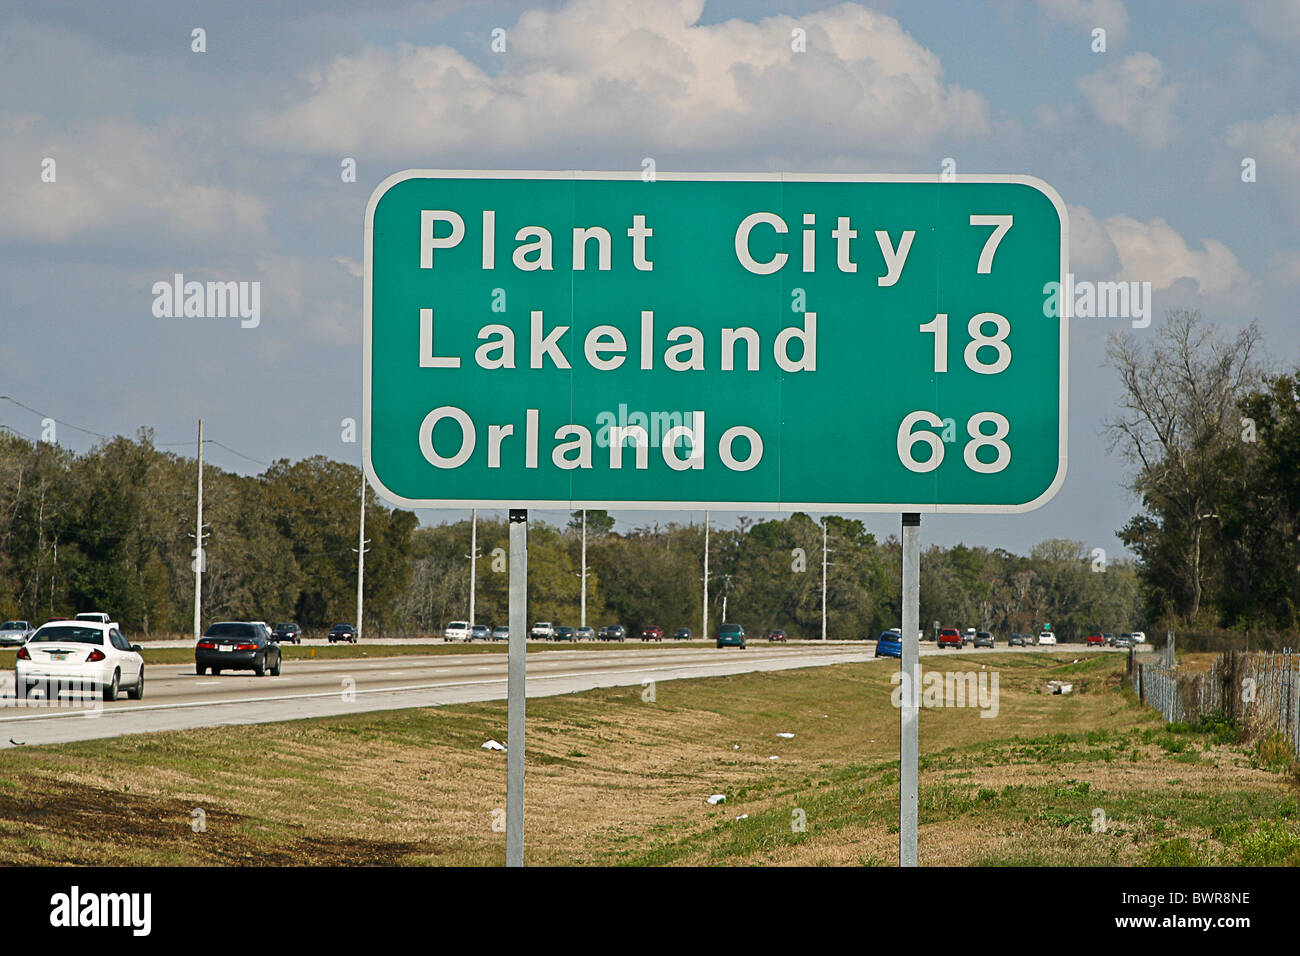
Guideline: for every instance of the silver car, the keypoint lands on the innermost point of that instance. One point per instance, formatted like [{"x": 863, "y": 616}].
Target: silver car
[{"x": 14, "y": 633}]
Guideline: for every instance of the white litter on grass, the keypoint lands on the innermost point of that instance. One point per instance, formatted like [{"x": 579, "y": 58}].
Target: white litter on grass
[
  {"x": 786, "y": 736},
  {"x": 493, "y": 745},
  {"x": 718, "y": 798},
  {"x": 1057, "y": 687},
  {"x": 743, "y": 816},
  {"x": 735, "y": 746},
  {"x": 774, "y": 757}
]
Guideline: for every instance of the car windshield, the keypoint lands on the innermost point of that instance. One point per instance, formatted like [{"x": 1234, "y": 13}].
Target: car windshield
[
  {"x": 286, "y": 627},
  {"x": 13, "y": 626},
  {"x": 69, "y": 635},
  {"x": 730, "y": 629},
  {"x": 231, "y": 629}
]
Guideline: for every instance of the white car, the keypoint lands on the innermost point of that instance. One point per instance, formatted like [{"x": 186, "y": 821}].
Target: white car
[
  {"x": 14, "y": 633},
  {"x": 543, "y": 630},
  {"x": 456, "y": 631},
  {"x": 1047, "y": 638},
  {"x": 99, "y": 617},
  {"x": 1139, "y": 637},
  {"x": 87, "y": 654}
]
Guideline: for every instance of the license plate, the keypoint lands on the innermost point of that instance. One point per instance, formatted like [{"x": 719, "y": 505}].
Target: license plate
[
  {"x": 59, "y": 655},
  {"x": 225, "y": 647}
]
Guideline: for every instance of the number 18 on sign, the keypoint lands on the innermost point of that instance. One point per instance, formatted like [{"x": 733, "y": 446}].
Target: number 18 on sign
[{"x": 730, "y": 341}]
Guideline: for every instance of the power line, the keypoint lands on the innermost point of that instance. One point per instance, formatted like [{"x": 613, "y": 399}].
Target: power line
[{"x": 91, "y": 431}]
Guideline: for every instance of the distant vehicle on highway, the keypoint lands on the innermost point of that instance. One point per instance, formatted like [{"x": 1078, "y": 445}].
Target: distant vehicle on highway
[
  {"x": 1017, "y": 640},
  {"x": 91, "y": 653},
  {"x": 983, "y": 639},
  {"x": 731, "y": 635},
  {"x": 480, "y": 632},
  {"x": 1139, "y": 637},
  {"x": 652, "y": 632},
  {"x": 565, "y": 633},
  {"x": 1046, "y": 639},
  {"x": 14, "y": 633},
  {"x": 240, "y": 646},
  {"x": 613, "y": 632},
  {"x": 776, "y": 634},
  {"x": 951, "y": 637},
  {"x": 890, "y": 644},
  {"x": 1095, "y": 639},
  {"x": 287, "y": 633},
  {"x": 682, "y": 634},
  {"x": 968, "y": 635},
  {"x": 542, "y": 630},
  {"x": 1124, "y": 640},
  {"x": 501, "y": 632},
  {"x": 343, "y": 632},
  {"x": 1110, "y": 638},
  {"x": 586, "y": 633},
  {"x": 99, "y": 617},
  {"x": 456, "y": 631}
]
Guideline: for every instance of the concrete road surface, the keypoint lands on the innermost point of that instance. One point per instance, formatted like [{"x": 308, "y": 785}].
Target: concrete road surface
[{"x": 176, "y": 698}]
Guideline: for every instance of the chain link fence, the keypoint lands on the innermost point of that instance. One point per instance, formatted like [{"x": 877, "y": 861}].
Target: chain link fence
[{"x": 1259, "y": 689}]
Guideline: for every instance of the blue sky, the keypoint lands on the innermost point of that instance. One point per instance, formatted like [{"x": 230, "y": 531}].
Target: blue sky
[{"x": 225, "y": 164}]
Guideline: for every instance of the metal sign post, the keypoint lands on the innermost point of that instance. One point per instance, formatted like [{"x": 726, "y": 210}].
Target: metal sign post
[
  {"x": 910, "y": 738},
  {"x": 515, "y": 687}
]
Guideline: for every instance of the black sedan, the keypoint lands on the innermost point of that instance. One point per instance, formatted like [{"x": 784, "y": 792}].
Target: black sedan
[
  {"x": 236, "y": 646},
  {"x": 343, "y": 632},
  {"x": 287, "y": 633}
]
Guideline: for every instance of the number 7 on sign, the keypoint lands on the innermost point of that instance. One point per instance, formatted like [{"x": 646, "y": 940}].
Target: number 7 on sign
[{"x": 1001, "y": 224}]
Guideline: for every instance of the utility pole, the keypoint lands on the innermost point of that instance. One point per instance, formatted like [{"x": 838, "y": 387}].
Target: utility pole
[
  {"x": 473, "y": 563},
  {"x": 824, "y": 553},
  {"x": 704, "y": 630},
  {"x": 361, "y": 550},
  {"x": 583, "y": 622},
  {"x": 909, "y": 712},
  {"x": 200, "y": 558}
]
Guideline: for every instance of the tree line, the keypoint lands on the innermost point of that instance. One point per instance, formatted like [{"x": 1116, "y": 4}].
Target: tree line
[
  {"x": 1213, "y": 435},
  {"x": 112, "y": 529}
]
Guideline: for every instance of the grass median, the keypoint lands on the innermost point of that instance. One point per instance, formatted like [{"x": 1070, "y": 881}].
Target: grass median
[{"x": 622, "y": 776}]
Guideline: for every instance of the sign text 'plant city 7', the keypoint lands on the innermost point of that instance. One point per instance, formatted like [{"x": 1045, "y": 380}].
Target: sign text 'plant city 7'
[{"x": 756, "y": 341}]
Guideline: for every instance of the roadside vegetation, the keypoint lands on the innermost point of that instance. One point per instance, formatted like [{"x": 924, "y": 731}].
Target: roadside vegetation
[{"x": 622, "y": 776}]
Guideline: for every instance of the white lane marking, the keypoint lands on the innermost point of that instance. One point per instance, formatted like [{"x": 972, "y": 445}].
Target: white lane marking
[{"x": 206, "y": 683}]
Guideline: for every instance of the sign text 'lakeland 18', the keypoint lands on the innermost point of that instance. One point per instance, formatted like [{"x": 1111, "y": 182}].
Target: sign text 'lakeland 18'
[{"x": 766, "y": 342}]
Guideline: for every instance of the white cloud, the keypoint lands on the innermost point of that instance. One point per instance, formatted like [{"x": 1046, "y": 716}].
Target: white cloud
[
  {"x": 629, "y": 77},
  {"x": 1092, "y": 253},
  {"x": 1111, "y": 15},
  {"x": 1284, "y": 268},
  {"x": 1277, "y": 20},
  {"x": 1154, "y": 251},
  {"x": 1274, "y": 144},
  {"x": 1121, "y": 247},
  {"x": 113, "y": 178},
  {"x": 1133, "y": 96}
]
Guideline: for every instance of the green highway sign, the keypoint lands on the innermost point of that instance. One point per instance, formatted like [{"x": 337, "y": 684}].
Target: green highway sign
[{"x": 729, "y": 340}]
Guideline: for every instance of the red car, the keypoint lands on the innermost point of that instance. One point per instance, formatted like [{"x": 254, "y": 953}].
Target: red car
[
  {"x": 951, "y": 637},
  {"x": 1095, "y": 640},
  {"x": 777, "y": 635},
  {"x": 652, "y": 632}
]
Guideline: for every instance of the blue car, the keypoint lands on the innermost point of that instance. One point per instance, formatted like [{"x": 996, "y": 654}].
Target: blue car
[{"x": 890, "y": 644}]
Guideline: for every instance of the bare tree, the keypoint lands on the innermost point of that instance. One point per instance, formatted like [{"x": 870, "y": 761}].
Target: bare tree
[{"x": 1179, "y": 423}]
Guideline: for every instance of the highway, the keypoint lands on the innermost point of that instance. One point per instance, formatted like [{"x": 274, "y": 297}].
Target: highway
[{"x": 176, "y": 698}]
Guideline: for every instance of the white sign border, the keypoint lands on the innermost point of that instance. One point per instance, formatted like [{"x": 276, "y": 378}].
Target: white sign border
[{"x": 778, "y": 506}]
